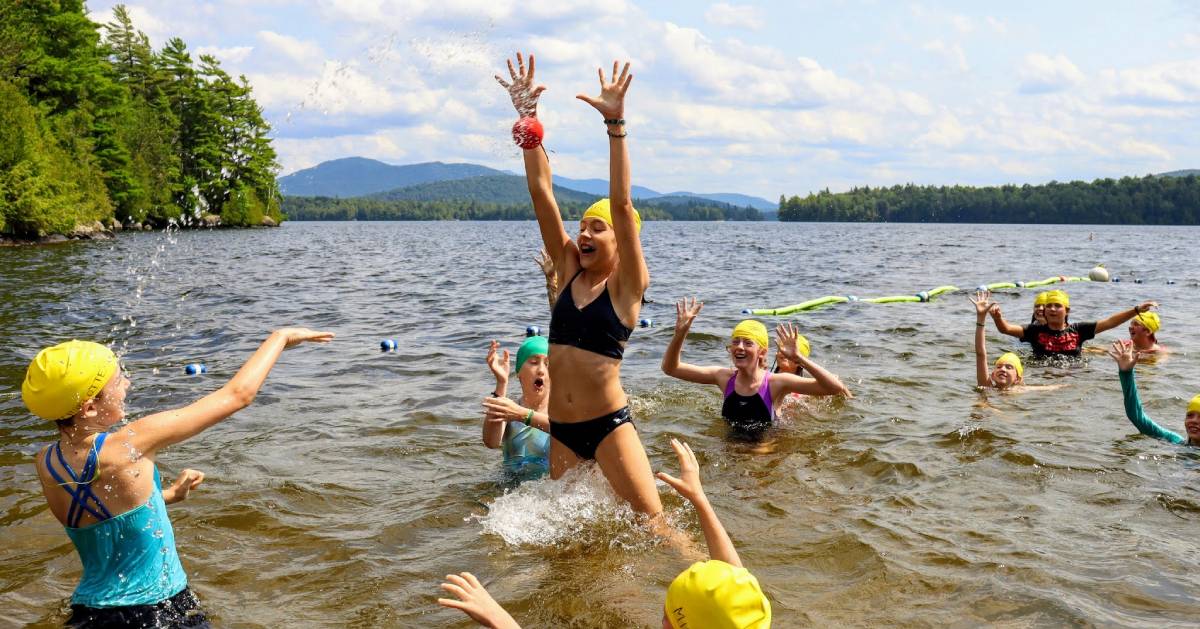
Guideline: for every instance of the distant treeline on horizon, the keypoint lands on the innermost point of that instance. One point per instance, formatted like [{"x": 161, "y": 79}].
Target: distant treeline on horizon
[
  {"x": 1150, "y": 200},
  {"x": 103, "y": 129},
  {"x": 377, "y": 209}
]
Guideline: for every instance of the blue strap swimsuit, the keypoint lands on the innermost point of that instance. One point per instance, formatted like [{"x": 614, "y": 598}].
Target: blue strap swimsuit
[{"x": 128, "y": 558}]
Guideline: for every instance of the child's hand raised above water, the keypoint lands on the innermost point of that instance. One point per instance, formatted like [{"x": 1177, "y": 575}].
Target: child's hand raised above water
[
  {"x": 611, "y": 101},
  {"x": 473, "y": 600},
  {"x": 523, "y": 92},
  {"x": 688, "y": 483},
  {"x": 1124, "y": 353},
  {"x": 685, "y": 312},
  {"x": 295, "y": 336},
  {"x": 983, "y": 303},
  {"x": 187, "y": 480},
  {"x": 498, "y": 363},
  {"x": 785, "y": 341}
]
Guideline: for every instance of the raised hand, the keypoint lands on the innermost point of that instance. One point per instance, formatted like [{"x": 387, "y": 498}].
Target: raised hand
[
  {"x": 688, "y": 483},
  {"x": 498, "y": 361},
  {"x": 611, "y": 101},
  {"x": 523, "y": 91},
  {"x": 685, "y": 312},
  {"x": 785, "y": 341},
  {"x": 983, "y": 302},
  {"x": 1123, "y": 352},
  {"x": 296, "y": 336},
  {"x": 545, "y": 263},
  {"x": 1145, "y": 306},
  {"x": 502, "y": 409},
  {"x": 473, "y": 600}
]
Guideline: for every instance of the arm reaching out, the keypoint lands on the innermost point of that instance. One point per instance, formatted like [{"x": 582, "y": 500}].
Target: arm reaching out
[
  {"x": 822, "y": 382},
  {"x": 983, "y": 305},
  {"x": 1003, "y": 326},
  {"x": 1114, "y": 320},
  {"x": 720, "y": 547},
  {"x": 473, "y": 600},
  {"x": 157, "y": 431},
  {"x": 685, "y": 312},
  {"x": 1126, "y": 358}
]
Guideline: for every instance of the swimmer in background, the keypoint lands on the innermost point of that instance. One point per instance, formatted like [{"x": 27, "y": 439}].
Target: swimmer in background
[
  {"x": 1143, "y": 333},
  {"x": 603, "y": 277},
  {"x": 1007, "y": 372},
  {"x": 1059, "y": 337},
  {"x": 131, "y": 570},
  {"x": 1039, "y": 308},
  {"x": 521, "y": 429},
  {"x": 750, "y": 390},
  {"x": 719, "y": 592},
  {"x": 1126, "y": 357}
]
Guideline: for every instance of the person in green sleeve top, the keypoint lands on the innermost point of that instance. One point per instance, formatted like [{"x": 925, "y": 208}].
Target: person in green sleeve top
[{"x": 1126, "y": 356}]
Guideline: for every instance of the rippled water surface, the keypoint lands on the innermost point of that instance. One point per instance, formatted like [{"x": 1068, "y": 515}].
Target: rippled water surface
[{"x": 358, "y": 478}]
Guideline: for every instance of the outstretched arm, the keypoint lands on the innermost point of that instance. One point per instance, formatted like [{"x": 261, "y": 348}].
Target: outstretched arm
[
  {"x": 720, "y": 547},
  {"x": 473, "y": 600},
  {"x": 632, "y": 273},
  {"x": 157, "y": 431},
  {"x": 982, "y": 305},
  {"x": 1003, "y": 326},
  {"x": 1114, "y": 320},
  {"x": 1126, "y": 357},
  {"x": 524, "y": 93},
  {"x": 822, "y": 383},
  {"x": 493, "y": 432},
  {"x": 188, "y": 480},
  {"x": 685, "y": 313}
]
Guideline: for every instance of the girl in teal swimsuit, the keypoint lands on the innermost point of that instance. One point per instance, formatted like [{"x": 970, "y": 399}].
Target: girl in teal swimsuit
[
  {"x": 1127, "y": 356},
  {"x": 520, "y": 429},
  {"x": 131, "y": 571}
]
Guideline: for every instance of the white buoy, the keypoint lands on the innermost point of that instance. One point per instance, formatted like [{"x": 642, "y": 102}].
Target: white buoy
[{"x": 1098, "y": 274}]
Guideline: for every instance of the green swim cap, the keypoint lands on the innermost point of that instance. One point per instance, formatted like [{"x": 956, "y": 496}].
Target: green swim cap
[{"x": 533, "y": 346}]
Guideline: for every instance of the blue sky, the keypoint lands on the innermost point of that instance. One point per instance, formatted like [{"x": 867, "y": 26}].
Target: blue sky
[{"x": 757, "y": 98}]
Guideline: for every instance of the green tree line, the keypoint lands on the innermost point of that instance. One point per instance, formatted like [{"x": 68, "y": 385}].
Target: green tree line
[
  {"x": 97, "y": 126},
  {"x": 1150, "y": 200},
  {"x": 376, "y": 209}
]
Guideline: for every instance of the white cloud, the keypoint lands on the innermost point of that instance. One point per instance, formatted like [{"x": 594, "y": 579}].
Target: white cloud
[
  {"x": 234, "y": 54},
  {"x": 294, "y": 49},
  {"x": 340, "y": 89},
  {"x": 1041, "y": 73},
  {"x": 945, "y": 132},
  {"x": 962, "y": 23},
  {"x": 952, "y": 54},
  {"x": 1000, "y": 27},
  {"x": 1173, "y": 83},
  {"x": 1139, "y": 149},
  {"x": 735, "y": 16}
]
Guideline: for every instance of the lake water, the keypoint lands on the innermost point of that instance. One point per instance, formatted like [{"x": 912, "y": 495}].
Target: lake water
[{"x": 358, "y": 478}]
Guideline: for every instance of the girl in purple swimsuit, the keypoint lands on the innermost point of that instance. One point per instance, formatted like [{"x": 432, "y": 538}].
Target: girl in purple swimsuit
[{"x": 751, "y": 391}]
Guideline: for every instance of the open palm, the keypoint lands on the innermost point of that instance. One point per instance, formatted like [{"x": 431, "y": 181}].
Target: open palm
[{"x": 611, "y": 101}]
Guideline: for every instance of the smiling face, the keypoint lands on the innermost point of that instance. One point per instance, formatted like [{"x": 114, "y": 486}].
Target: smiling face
[
  {"x": 1191, "y": 425},
  {"x": 1039, "y": 313},
  {"x": 1139, "y": 333},
  {"x": 597, "y": 243},
  {"x": 1004, "y": 375},
  {"x": 746, "y": 354},
  {"x": 535, "y": 377}
]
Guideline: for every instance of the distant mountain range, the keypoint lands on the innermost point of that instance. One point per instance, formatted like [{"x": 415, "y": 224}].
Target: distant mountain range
[
  {"x": 1181, "y": 173},
  {"x": 359, "y": 176}
]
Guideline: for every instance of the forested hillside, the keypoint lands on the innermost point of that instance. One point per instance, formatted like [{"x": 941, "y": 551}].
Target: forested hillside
[
  {"x": 1128, "y": 201},
  {"x": 96, "y": 126}
]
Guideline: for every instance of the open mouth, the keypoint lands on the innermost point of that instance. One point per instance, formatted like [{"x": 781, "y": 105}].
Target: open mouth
[
  {"x": 586, "y": 249},
  {"x": 539, "y": 383}
]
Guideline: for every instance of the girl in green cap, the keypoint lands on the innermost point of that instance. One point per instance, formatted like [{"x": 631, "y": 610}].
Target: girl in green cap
[{"x": 521, "y": 428}]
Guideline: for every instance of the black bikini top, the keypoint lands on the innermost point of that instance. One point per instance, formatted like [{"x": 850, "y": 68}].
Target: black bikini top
[{"x": 594, "y": 328}]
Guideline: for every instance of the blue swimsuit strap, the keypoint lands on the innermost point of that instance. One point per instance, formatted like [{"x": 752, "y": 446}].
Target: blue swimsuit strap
[{"x": 83, "y": 488}]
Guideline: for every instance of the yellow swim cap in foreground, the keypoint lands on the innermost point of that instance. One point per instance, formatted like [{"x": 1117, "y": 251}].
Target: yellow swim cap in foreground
[
  {"x": 1014, "y": 360},
  {"x": 1151, "y": 320},
  {"x": 802, "y": 346},
  {"x": 61, "y": 378},
  {"x": 753, "y": 330},
  {"x": 1057, "y": 297},
  {"x": 715, "y": 595},
  {"x": 1194, "y": 405},
  {"x": 602, "y": 210}
]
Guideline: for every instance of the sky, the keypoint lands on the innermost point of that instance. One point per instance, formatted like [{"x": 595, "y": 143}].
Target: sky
[{"x": 762, "y": 98}]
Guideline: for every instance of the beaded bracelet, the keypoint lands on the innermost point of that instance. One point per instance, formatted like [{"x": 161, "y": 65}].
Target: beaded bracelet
[{"x": 614, "y": 121}]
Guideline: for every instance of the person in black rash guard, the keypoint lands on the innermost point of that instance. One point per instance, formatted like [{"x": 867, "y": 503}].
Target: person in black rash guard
[
  {"x": 751, "y": 391},
  {"x": 1058, "y": 336}
]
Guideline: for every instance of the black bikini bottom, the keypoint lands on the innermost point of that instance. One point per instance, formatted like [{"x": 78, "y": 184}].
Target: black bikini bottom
[{"x": 584, "y": 437}]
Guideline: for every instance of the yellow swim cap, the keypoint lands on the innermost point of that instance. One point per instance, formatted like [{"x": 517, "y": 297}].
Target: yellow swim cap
[
  {"x": 802, "y": 346},
  {"x": 1040, "y": 300},
  {"x": 715, "y": 595},
  {"x": 602, "y": 210},
  {"x": 1013, "y": 360},
  {"x": 1194, "y": 405},
  {"x": 1058, "y": 297},
  {"x": 753, "y": 330},
  {"x": 61, "y": 378},
  {"x": 1151, "y": 320}
]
